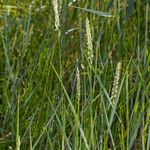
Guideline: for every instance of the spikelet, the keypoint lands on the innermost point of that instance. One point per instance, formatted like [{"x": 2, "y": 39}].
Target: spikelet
[
  {"x": 116, "y": 81},
  {"x": 89, "y": 42},
  {"x": 60, "y": 5},
  {"x": 56, "y": 11},
  {"x": 78, "y": 86}
]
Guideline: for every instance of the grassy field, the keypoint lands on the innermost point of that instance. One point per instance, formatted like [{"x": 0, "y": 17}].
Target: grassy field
[{"x": 75, "y": 75}]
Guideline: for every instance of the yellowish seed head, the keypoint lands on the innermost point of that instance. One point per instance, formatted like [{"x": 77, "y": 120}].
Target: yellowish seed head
[
  {"x": 89, "y": 42},
  {"x": 116, "y": 82},
  {"x": 56, "y": 11}
]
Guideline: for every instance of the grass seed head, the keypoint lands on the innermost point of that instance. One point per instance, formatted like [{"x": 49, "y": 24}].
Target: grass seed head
[
  {"x": 78, "y": 86},
  {"x": 115, "y": 83},
  {"x": 56, "y": 11},
  {"x": 89, "y": 42}
]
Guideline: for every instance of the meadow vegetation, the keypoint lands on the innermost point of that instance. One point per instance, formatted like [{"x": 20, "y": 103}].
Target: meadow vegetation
[{"x": 74, "y": 75}]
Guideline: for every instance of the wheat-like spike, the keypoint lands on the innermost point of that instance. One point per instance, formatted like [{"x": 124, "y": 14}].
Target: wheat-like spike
[
  {"x": 116, "y": 81},
  {"x": 89, "y": 42},
  {"x": 78, "y": 86},
  {"x": 56, "y": 11}
]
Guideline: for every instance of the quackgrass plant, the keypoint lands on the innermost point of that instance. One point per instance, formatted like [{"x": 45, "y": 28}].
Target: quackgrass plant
[{"x": 74, "y": 75}]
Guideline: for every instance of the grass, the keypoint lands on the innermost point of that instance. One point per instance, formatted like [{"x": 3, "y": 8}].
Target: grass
[{"x": 59, "y": 83}]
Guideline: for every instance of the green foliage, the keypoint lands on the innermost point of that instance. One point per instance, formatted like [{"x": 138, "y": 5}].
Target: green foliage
[{"x": 51, "y": 97}]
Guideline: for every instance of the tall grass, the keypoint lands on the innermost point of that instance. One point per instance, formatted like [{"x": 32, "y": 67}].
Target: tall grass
[{"x": 75, "y": 75}]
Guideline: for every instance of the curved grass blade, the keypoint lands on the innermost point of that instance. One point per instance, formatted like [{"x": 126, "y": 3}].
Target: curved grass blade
[
  {"x": 72, "y": 109},
  {"x": 96, "y": 12}
]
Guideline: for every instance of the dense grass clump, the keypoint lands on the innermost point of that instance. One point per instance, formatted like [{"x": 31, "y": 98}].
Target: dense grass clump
[{"x": 75, "y": 75}]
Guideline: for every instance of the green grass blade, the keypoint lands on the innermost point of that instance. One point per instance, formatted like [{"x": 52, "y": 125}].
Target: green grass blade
[{"x": 96, "y": 12}]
